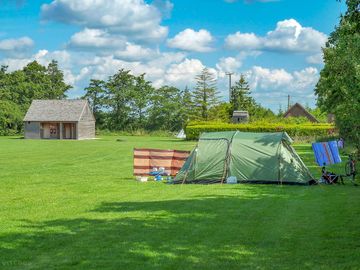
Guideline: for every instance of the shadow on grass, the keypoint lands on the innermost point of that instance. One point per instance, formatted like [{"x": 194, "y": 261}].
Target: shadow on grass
[{"x": 203, "y": 233}]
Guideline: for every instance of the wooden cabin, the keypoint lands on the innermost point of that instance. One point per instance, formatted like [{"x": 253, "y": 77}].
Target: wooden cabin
[
  {"x": 299, "y": 111},
  {"x": 59, "y": 119}
]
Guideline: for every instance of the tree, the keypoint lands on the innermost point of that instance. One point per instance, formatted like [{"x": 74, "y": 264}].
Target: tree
[
  {"x": 205, "y": 94},
  {"x": 142, "y": 91},
  {"x": 240, "y": 95},
  {"x": 119, "y": 88},
  {"x": 20, "y": 87},
  {"x": 10, "y": 118},
  {"x": 95, "y": 94},
  {"x": 167, "y": 109},
  {"x": 58, "y": 87},
  {"x": 187, "y": 106},
  {"x": 338, "y": 89}
]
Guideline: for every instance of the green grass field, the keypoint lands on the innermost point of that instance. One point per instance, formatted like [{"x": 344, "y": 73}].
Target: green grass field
[{"x": 75, "y": 205}]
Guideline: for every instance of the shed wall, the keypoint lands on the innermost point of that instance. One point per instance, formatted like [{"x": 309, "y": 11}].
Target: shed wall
[
  {"x": 86, "y": 129},
  {"x": 87, "y": 114},
  {"x": 32, "y": 130}
]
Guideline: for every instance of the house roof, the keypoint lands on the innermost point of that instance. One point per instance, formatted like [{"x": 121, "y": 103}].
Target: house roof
[
  {"x": 303, "y": 112},
  {"x": 56, "y": 110},
  {"x": 240, "y": 113}
]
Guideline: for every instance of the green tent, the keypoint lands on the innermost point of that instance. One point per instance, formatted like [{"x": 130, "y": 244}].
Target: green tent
[{"x": 250, "y": 157}]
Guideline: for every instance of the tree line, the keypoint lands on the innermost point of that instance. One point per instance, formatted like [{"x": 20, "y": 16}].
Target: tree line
[
  {"x": 20, "y": 87},
  {"x": 123, "y": 101},
  {"x": 129, "y": 102}
]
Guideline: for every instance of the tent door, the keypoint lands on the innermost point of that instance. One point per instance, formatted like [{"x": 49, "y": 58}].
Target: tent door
[{"x": 211, "y": 168}]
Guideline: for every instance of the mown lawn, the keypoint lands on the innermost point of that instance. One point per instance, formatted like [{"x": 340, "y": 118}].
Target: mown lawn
[{"x": 75, "y": 205}]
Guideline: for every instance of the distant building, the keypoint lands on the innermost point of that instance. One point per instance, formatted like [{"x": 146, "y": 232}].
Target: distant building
[
  {"x": 59, "y": 119},
  {"x": 299, "y": 111},
  {"x": 240, "y": 117}
]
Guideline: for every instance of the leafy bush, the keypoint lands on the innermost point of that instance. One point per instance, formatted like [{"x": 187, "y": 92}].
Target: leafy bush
[{"x": 194, "y": 129}]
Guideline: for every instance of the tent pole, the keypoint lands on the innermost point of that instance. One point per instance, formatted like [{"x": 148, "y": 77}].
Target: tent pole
[
  {"x": 279, "y": 165},
  {"x": 227, "y": 160},
  {"x": 191, "y": 163}
]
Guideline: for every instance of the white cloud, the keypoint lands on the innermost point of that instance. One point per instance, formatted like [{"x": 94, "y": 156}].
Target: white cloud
[
  {"x": 134, "y": 19},
  {"x": 43, "y": 57},
  {"x": 191, "y": 40},
  {"x": 288, "y": 36},
  {"x": 95, "y": 38},
  {"x": 15, "y": 47},
  {"x": 228, "y": 64},
  {"x": 315, "y": 58},
  {"x": 305, "y": 78},
  {"x": 243, "y": 41},
  {"x": 271, "y": 87},
  {"x": 134, "y": 52},
  {"x": 183, "y": 72},
  {"x": 264, "y": 78},
  {"x": 281, "y": 80}
]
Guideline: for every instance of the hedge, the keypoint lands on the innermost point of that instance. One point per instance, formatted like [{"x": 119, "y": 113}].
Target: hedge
[{"x": 301, "y": 130}]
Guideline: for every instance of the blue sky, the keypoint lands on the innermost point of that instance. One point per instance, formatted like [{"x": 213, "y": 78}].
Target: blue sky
[{"x": 275, "y": 43}]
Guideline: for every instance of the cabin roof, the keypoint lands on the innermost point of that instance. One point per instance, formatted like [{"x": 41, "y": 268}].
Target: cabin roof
[{"x": 56, "y": 110}]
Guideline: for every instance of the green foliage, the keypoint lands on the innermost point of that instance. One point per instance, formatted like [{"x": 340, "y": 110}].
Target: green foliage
[
  {"x": 221, "y": 112},
  {"x": 205, "y": 95},
  {"x": 242, "y": 101},
  {"x": 95, "y": 94},
  {"x": 127, "y": 98},
  {"x": 240, "y": 95},
  {"x": 167, "y": 111},
  {"x": 338, "y": 89},
  {"x": 10, "y": 118},
  {"x": 193, "y": 130},
  {"x": 20, "y": 87}
]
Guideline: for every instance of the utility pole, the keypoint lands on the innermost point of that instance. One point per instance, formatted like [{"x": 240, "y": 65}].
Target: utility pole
[
  {"x": 288, "y": 102},
  {"x": 229, "y": 74}
]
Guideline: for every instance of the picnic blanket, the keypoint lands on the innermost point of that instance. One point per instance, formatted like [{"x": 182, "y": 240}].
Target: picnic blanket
[
  {"x": 326, "y": 153},
  {"x": 147, "y": 159}
]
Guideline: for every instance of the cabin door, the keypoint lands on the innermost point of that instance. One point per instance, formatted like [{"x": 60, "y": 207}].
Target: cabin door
[
  {"x": 54, "y": 131},
  {"x": 69, "y": 131}
]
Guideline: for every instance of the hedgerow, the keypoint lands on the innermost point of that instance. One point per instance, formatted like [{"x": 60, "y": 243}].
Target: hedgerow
[{"x": 193, "y": 130}]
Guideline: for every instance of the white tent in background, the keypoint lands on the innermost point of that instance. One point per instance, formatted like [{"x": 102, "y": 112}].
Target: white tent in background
[{"x": 181, "y": 135}]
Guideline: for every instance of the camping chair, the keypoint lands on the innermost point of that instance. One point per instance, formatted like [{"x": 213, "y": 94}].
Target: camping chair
[{"x": 330, "y": 177}]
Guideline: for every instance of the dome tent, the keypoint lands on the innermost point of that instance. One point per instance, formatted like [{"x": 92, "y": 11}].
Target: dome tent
[{"x": 250, "y": 157}]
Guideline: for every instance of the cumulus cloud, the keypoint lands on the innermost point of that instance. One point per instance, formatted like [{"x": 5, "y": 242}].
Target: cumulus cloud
[
  {"x": 279, "y": 79},
  {"x": 228, "y": 64},
  {"x": 16, "y": 47},
  {"x": 288, "y": 36},
  {"x": 191, "y": 40},
  {"x": 271, "y": 87},
  {"x": 134, "y": 52},
  {"x": 94, "y": 39},
  {"x": 315, "y": 58},
  {"x": 135, "y": 19}
]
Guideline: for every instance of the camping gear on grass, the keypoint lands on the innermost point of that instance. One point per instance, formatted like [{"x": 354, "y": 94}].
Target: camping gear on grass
[
  {"x": 330, "y": 177},
  {"x": 170, "y": 160},
  {"x": 326, "y": 153},
  {"x": 250, "y": 157}
]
